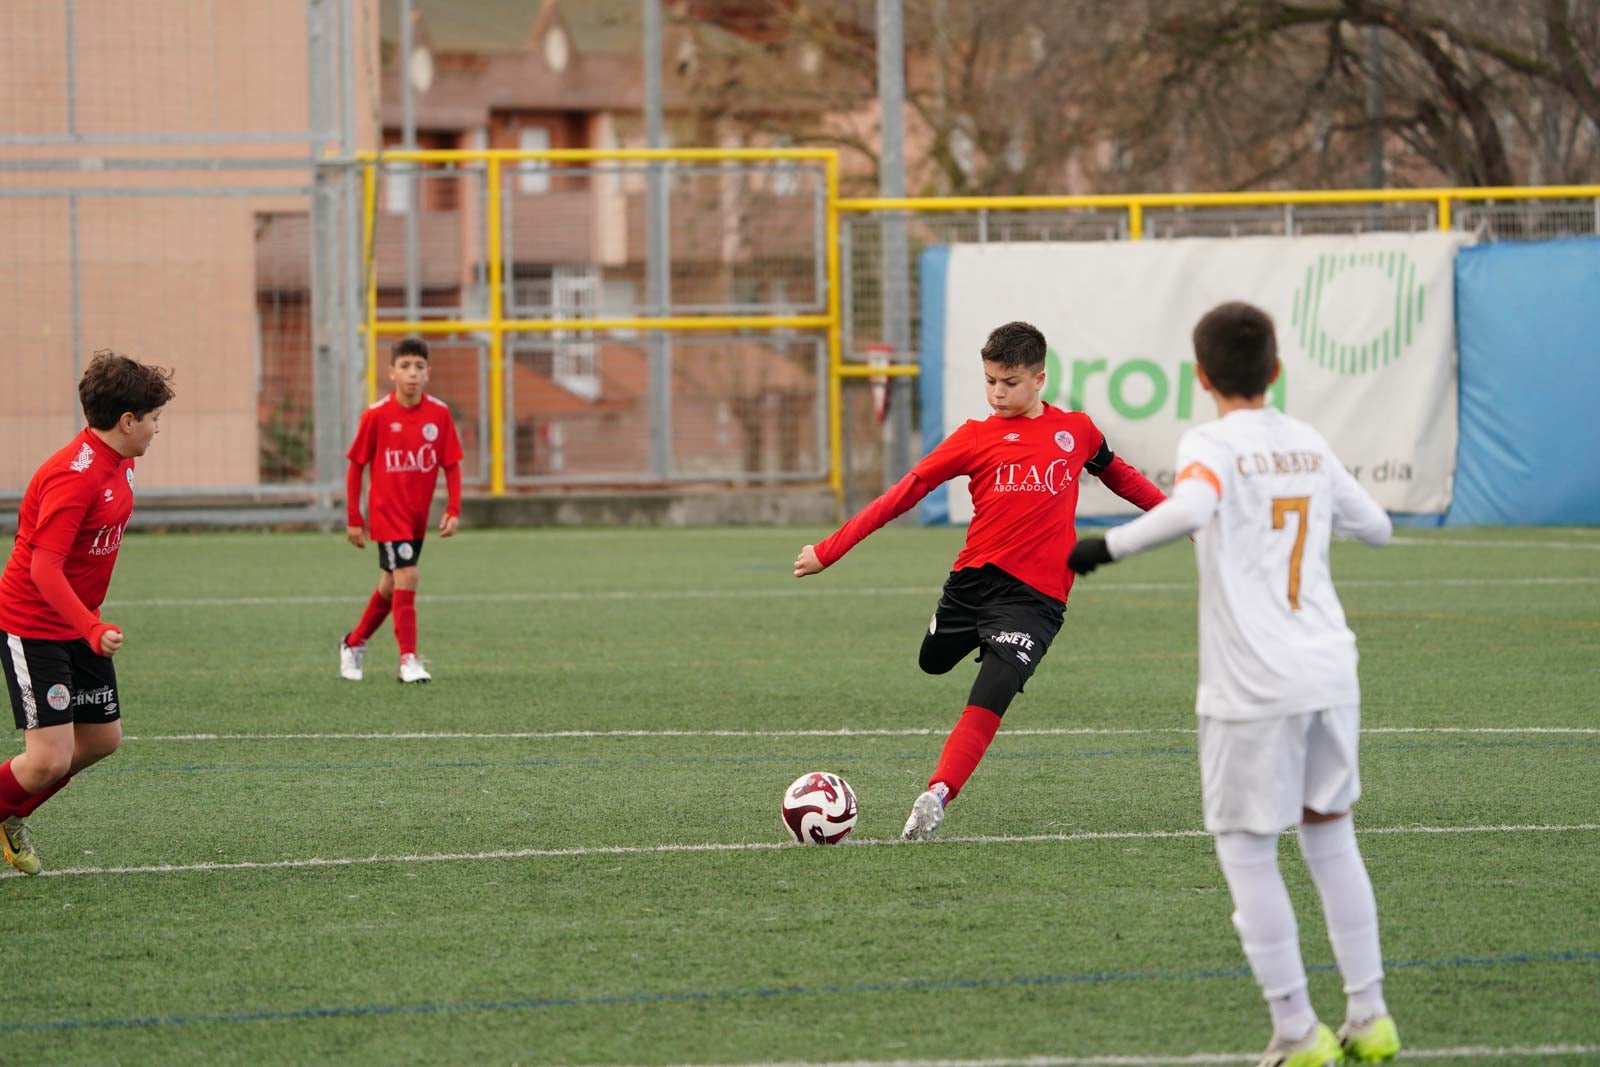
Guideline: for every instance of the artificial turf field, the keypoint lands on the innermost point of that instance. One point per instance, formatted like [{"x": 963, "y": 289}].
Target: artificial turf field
[{"x": 566, "y": 849}]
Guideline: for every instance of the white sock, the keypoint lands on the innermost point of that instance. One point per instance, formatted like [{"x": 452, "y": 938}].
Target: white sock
[
  {"x": 1264, "y": 918},
  {"x": 1351, "y": 911}
]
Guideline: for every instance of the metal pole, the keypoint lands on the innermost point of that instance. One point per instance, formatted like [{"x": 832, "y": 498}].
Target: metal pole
[
  {"x": 1375, "y": 108},
  {"x": 408, "y": 134},
  {"x": 328, "y": 392},
  {"x": 657, "y": 252},
  {"x": 72, "y": 73},
  {"x": 895, "y": 268}
]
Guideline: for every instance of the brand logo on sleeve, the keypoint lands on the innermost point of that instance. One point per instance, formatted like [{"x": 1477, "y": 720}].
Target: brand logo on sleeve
[{"x": 84, "y": 458}]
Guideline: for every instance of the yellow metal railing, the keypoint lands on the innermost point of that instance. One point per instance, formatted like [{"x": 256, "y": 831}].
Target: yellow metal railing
[{"x": 497, "y": 325}]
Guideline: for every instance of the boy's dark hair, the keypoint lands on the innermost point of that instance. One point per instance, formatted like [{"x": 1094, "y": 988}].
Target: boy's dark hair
[
  {"x": 113, "y": 384},
  {"x": 411, "y": 346},
  {"x": 1016, "y": 344},
  {"x": 1236, "y": 346}
]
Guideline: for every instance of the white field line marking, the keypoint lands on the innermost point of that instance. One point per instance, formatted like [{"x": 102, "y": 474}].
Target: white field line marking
[
  {"x": 915, "y": 731},
  {"x": 816, "y": 590},
  {"x": 742, "y": 846},
  {"x": 1423, "y": 542},
  {"x": 1472, "y": 1052}
]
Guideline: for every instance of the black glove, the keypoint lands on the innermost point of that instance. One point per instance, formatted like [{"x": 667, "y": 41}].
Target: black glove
[{"x": 1088, "y": 554}]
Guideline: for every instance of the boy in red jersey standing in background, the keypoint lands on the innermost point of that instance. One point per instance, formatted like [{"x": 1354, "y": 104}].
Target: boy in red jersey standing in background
[
  {"x": 1008, "y": 588},
  {"x": 405, "y": 438},
  {"x": 55, "y": 649}
]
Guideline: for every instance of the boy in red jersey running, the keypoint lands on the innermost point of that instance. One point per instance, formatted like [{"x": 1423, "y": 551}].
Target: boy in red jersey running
[
  {"x": 405, "y": 438},
  {"x": 55, "y": 649},
  {"x": 1008, "y": 587}
]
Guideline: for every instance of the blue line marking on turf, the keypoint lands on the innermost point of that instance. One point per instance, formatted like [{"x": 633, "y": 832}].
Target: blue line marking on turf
[{"x": 910, "y": 985}]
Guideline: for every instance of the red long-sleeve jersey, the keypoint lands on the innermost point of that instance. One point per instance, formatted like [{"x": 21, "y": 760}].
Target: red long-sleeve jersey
[
  {"x": 1024, "y": 482},
  {"x": 405, "y": 447},
  {"x": 69, "y": 530}
]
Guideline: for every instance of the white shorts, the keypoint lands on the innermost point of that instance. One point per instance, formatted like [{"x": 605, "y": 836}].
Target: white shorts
[{"x": 1256, "y": 774}]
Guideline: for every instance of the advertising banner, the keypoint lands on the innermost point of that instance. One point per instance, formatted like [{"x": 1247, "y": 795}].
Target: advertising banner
[{"x": 1366, "y": 338}]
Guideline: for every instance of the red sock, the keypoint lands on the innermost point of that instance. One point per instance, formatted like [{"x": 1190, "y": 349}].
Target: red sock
[
  {"x": 964, "y": 748},
  {"x": 405, "y": 620},
  {"x": 371, "y": 619},
  {"x": 40, "y": 797},
  {"x": 13, "y": 798}
]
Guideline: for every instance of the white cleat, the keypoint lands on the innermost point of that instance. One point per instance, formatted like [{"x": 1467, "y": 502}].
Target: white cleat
[
  {"x": 350, "y": 660},
  {"x": 412, "y": 670},
  {"x": 926, "y": 816}
]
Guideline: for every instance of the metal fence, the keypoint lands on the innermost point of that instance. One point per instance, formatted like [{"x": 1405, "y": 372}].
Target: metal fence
[
  {"x": 861, "y": 472},
  {"x": 625, "y": 317},
  {"x": 176, "y": 209},
  {"x": 630, "y": 318}
]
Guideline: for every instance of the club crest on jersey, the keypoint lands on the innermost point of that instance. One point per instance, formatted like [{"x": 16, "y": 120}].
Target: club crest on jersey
[
  {"x": 430, "y": 432},
  {"x": 130, "y": 477},
  {"x": 1064, "y": 441},
  {"x": 83, "y": 459}
]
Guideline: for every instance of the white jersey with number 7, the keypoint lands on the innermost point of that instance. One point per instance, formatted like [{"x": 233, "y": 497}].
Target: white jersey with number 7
[{"x": 1264, "y": 493}]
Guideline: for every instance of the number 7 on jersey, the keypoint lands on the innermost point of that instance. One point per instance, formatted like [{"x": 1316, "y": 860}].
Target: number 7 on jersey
[{"x": 1282, "y": 506}]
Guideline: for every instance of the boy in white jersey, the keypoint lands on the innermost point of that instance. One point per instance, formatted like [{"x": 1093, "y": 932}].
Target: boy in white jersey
[{"x": 1278, "y": 701}]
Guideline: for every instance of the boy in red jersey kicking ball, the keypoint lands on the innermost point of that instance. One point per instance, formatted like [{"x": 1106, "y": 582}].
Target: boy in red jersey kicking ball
[
  {"x": 1008, "y": 588},
  {"x": 55, "y": 649},
  {"x": 405, "y": 438}
]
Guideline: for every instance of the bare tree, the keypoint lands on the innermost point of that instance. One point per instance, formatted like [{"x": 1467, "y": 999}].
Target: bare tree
[
  {"x": 1477, "y": 92},
  {"x": 1043, "y": 96}
]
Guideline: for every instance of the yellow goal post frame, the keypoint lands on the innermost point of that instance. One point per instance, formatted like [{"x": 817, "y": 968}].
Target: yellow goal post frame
[{"x": 496, "y": 325}]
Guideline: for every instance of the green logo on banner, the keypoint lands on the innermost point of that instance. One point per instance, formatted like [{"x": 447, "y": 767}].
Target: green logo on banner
[{"x": 1357, "y": 312}]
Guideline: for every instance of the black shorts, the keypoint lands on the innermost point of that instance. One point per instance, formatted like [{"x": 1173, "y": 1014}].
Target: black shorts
[
  {"x": 56, "y": 682},
  {"x": 393, "y": 555},
  {"x": 998, "y": 615}
]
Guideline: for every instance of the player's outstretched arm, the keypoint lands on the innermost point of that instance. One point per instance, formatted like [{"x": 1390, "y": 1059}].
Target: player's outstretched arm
[
  {"x": 1191, "y": 505},
  {"x": 897, "y": 501}
]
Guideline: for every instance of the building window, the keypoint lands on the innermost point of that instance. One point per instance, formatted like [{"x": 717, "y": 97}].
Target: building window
[{"x": 533, "y": 176}]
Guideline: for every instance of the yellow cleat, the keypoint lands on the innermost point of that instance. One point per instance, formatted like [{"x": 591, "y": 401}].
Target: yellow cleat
[
  {"x": 1374, "y": 1041},
  {"x": 1319, "y": 1048},
  {"x": 17, "y": 845}
]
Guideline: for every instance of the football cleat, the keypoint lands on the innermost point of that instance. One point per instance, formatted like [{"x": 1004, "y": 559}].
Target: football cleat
[
  {"x": 1373, "y": 1041},
  {"x": 412, "y": 670},
  {"x": 927, "y": 813},
  {"x": 17, "y": 844},
  {"x": 351, "y": 658},
  {"x": 1319, "y": 1048}
]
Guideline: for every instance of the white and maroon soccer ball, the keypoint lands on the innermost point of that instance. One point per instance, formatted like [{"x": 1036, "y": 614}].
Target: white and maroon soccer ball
[{"x": 819, "y": 809}]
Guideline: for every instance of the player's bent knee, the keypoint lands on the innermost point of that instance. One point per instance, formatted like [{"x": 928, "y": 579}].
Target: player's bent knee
[
  {"x": 405, "y": 578},
  {"x": 997, "y": 684}
]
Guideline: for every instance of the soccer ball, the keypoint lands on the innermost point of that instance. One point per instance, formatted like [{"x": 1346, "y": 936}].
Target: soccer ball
[{"x": 819, "y": 809}]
